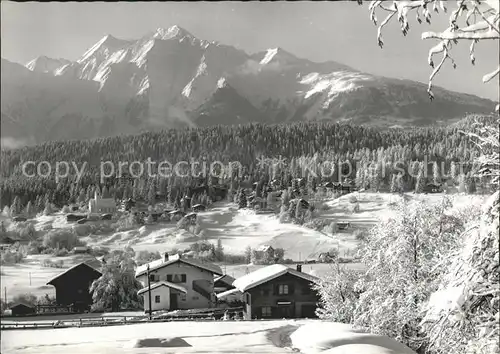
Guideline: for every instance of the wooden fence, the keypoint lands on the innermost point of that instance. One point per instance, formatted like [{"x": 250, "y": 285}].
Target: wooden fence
[{"x": 98, "y": 321}]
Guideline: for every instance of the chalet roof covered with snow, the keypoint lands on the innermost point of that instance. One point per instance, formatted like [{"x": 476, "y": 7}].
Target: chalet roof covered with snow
[
  {"x": 227, "y": 293},
  {"x": 160, "y": 263},
  {"x": 163, "y": 283},
  {"x": 82, "y": 264},
  {"x": 263, "y": 275}
]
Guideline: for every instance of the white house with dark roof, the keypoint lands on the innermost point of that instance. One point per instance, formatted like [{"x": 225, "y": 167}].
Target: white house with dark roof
[{"x": 178, "y": 283}]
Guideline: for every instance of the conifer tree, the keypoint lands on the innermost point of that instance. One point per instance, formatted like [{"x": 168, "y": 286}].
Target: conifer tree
[{"x": 242, "y": 200}]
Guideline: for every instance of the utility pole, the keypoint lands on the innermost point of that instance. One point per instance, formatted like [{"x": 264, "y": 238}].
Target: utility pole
[{"x": 149, "y": 293}]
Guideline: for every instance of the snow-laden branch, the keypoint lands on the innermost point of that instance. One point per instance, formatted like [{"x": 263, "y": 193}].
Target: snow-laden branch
[
  {"x": 481, "y": 18},
  {"x": 488, "y": 77}
]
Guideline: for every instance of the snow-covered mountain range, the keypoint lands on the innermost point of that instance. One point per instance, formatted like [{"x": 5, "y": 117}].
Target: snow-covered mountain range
[{"x": 170, "y": 78}]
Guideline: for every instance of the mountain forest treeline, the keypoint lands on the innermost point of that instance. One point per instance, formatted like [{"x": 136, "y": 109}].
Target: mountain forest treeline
[{"x": 395, "y": 159}]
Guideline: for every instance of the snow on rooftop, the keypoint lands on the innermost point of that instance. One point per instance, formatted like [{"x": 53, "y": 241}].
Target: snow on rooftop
[
  {"x": 259, "y": 276},
  {"x": 269, "y": 56},
  {"x": 159, "y": 263},
  {"x": 163, "y": 283}
]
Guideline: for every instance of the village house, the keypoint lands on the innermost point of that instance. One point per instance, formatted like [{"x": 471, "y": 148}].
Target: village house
[
  {"x": 277, "y": 291},
  {"x": 100, "y": 205},
  {"x": 73, "y": 286},
  {"x": 263, "y": 253},
  {"x": 178, "y": 283}
]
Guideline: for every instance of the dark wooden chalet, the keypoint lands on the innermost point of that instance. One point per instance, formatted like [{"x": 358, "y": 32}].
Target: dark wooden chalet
[
  {"x": 72, "y": 286},
  {"x": 22, "y": 309},
  {"x": 278, "y": 291}
]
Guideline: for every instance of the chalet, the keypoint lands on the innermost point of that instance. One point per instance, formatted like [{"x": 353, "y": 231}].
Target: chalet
[
  {"x": 19, "y": 219},
  {"x": 128, "y": 204},
  {"x": 304, "y": 204},
  {"x": 343, "y": 225},
  {"x": 223, "y": 283},
  {"x": 191, "y": 216},
  {"x": 199, "y": 207},
  {"x": 102, "y": 205},
  {"x": 80, "y": 249},
  {"x": 328, "y": 185},
  {"x": 433, "y": 188},
  {"x": 72, "y": 286},
  {"x": 264, "y": 252},
  {"x": 179, "y": 283},
  {"x": 176, "y": 215},
  {"x": 326, "y": 257},
  {"x": 258, "y": 202},
  {"x": 278, "y": 291},
  {"x": 106, "y": 216},
  {"x": 219, "y": 192},
  {"x": 22, "y": 309},
  {"x": 75, "y": 217}
]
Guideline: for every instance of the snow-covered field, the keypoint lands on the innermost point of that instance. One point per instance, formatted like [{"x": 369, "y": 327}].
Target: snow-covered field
[
  {"x": 202, "y": 337},
  {"x": 237, "y": 230}
]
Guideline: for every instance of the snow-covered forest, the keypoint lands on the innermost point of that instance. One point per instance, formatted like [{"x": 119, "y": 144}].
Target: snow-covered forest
[{"x": 433, "y": 271}]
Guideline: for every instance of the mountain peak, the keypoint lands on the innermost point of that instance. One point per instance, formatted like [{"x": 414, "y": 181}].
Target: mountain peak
[
  {"x": 222, "y": 82},
  {"x": 109, "y": 42},
  {"x": 45, "y": 64},
  {"x": 171, "y": 32},
  {"x": 276, "y": 54}
]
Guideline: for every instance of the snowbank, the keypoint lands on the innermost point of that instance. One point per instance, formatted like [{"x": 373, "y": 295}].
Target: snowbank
[{"x": 339, "y": 338}]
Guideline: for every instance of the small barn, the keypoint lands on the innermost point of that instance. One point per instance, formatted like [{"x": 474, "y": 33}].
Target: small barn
[
  {"x": 22, "y": 309},
  {"x": 72, "y": 286}
]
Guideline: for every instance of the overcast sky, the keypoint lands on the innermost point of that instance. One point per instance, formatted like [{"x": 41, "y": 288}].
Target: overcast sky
[{"x": 319, "y": 31}]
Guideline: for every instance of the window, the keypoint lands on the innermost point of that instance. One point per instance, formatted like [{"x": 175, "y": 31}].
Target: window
[
  {"x": 266, "y": 311},
  {"x": 283, "y": 289},
  {"x": 152, "y": 277},
  {"x": 177, "y": 278},
  {"x": 157, "y": 299}
]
